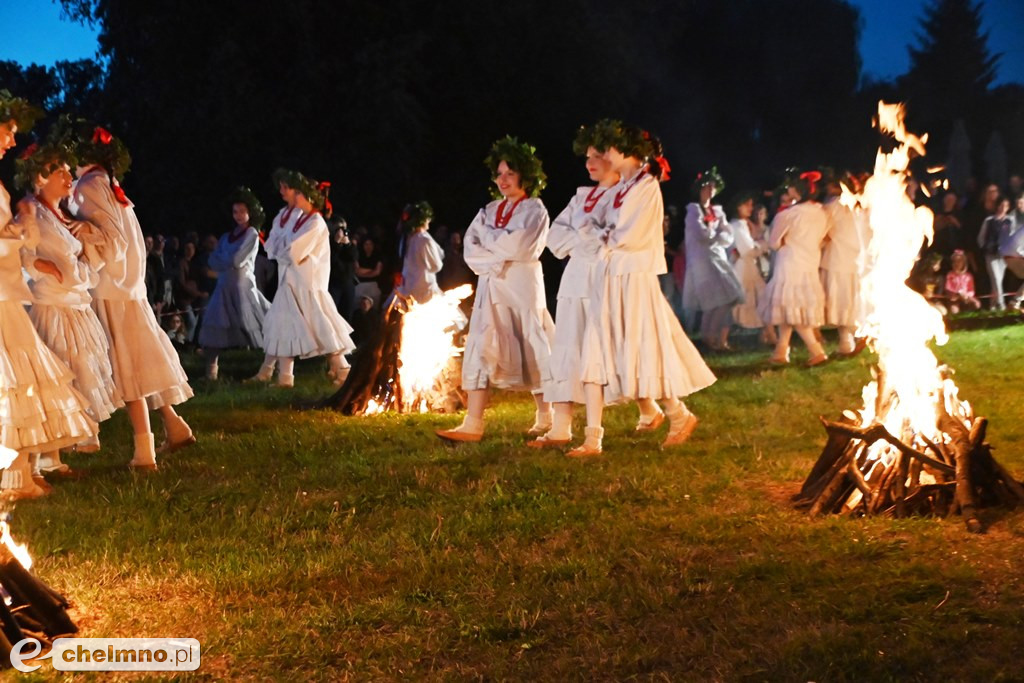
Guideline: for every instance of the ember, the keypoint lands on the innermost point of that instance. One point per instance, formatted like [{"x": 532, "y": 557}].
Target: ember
[{"x": 915, "y": 446}]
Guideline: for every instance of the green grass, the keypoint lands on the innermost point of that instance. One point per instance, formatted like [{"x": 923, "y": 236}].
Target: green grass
[{"x": 305, "y": 545}]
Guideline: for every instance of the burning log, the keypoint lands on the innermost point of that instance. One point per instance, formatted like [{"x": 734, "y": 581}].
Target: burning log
[{"x": 29, "y": 607}]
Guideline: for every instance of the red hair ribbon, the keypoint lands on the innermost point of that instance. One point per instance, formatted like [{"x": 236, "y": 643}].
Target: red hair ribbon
[
  {"x": 261, "y": 236},
  {"x": 647, "y": 135},
  {"x": 101, "y": 135},
  {"x": 119, "y": 194},
  {"x": 405, "y": 216},
  {"x": 665, "y": 168},
  {"x": 812, "y": 177},
  {"x": 29, "y": 151},
  {"x": 325, "y": 188}
]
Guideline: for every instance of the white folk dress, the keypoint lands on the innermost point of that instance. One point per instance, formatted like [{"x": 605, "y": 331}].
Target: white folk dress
[
  {"x": 303, "y": 320},
  {"x": 62, "y": 311},
  {"x": 635, "y": 345},
  {"x": 508, "y": 345},
  {"x": 794, "y": 296},
  {"x": 841, "y": 265},
  {"x": 40, "y": 411},
  {"x": 748, "y": 272},
  {"x": 563, "y": 382},
  {"x": 236, "y": 309},
  {"x": 144, "y": 362},
  {"x": 710, "y": 281},
  {"x": 420, "y": 265}
]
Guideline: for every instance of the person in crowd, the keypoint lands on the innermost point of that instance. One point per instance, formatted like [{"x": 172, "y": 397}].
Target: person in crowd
[
  {"x": 156, "y": 279},
  {"x": 842, "y": 262},
  {"x": 711, "y": 286},
  {"x": 188, "y": 298},
  {"x": 959, "y": 286},
  {"x": 369, "y": 266},
  {"x": 634, "y": 347},
  {"x": 147, "y": 372},
  {"x": 422, "y": 257},
  {"x": 61, "y": 310},
  {"x": 562, "y": 385},
  {"x": 303, "y": 320},
  {"x": 40, "y": 411},
  {"x": 994, "y": 230},
  {"x": 794, "y": 298},
  {"x": 236, "y": 309},
  {"x": 365, "y": 320},
  {"x": 510, "y": 330},
  {"x": 455, "y": 271},
  {"x": 746, "y": 266},
  {"x": 342, "y": 283},
  {"x": 948, "y": 226},
  {"x": 1011, "y": 247}
]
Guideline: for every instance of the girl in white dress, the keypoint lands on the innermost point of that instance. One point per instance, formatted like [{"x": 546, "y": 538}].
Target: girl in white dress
[
  {"x": 146, "y": 369},
  {"x": 40, "y": 411},
  {"x": 711, "y": 286},
  {"x": 61, "y": 308},
  {"x": 747, "y": 266},
  {"x": 234, "y": 315},
  {"x": 794, "y": 298},
  {"x": 562, "y": 385},
  {"x": 635, "y": 347},
  {"x": 510, "y": 329},
  {"x": 422, "y": 257},
  {"x": 303, "y": 320},
  {"x": 842, "y": 261}
]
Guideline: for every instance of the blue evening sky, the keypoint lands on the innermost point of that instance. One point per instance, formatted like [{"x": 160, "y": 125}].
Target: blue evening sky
[{"x": 33, "y": 31}]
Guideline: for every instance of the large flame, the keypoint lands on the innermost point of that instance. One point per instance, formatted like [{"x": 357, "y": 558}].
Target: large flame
[
  {"x": 427, "y": 345},
  {"x": 898, "y": 322},
  {"x": 18, "y": 550}
]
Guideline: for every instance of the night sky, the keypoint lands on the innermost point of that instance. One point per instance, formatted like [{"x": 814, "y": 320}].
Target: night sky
[{"x": 32, "y": 31}]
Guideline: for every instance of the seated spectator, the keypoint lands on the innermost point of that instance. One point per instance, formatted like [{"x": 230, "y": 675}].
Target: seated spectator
[{"x": 959, "y": 285}]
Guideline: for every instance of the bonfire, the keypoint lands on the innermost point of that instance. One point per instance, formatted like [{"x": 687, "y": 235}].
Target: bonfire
[
  {"x": 413, "y": 363},
  {"x": 915, "y": 446}
]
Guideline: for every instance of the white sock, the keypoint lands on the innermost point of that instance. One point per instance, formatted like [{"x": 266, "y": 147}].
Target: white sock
[
  {"x": 145, "y": 450},
  {"x": 561, "y": 427}
]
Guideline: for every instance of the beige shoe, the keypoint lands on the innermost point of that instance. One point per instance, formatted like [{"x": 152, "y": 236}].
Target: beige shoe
[
  {"x": 145, "y": 453},
  {"x": 457, "y": 435},
  {"x": 264, "y": 375},
  {"x": 545, "y": 442},
  {"x": 677, "y": 436},
  {"x": 591, "y": 445},
  {"x": 654, "y": 423}
]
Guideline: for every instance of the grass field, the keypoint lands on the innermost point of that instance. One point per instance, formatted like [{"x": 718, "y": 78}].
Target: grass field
[{"x": 306, "y": 545}]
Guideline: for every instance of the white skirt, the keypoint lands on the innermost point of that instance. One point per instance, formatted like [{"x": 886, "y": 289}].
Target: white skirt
[
  {"x": 793, "y": 297},
  {"x": 234, "y": 315},
  {"x": 562, "y": 383},
  {"x": 506, "y": 348},
  {"x": 305, "y": 323},
  {"x": 145, "y": 363},
  {"x": 749, "y": 275},
  {"x": 635, "y": 346},
  {"x": 78, "y": 339},
  {"x": 40, "y": 411},
  {"x": 842, "y": 295}
]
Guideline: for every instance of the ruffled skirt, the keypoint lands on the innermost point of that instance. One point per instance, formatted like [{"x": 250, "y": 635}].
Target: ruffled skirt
[
  {"x": 305, "y": 323},
  {"x": 144, "y": 362},
  {"x": 78, "y": 339},
  {"x": 562, "y": 383},
  {"x": 506, "y": 348},
  {"x": 40, "y": 410},
  {"x": 842, "y": 297},
  {"x": 635, "y": 346},
  {"x": 745, "y": 314},
  {"x": 234, "y": 315},
  {"x": 794, "y": 296}
]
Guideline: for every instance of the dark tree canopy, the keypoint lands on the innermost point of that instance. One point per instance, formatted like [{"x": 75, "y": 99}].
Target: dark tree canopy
[{"x": 395, "y": 101}]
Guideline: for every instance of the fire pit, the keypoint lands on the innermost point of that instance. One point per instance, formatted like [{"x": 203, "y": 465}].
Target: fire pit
[{"x": 915, "y": 447}]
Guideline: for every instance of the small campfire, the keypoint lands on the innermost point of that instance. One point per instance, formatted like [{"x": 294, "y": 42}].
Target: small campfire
[
  {"x": 915, "y": 447},
  {"x": 412, "y": 364},
  {"x": 29, "y": 608}
]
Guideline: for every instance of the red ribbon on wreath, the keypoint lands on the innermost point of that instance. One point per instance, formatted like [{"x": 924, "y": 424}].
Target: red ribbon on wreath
[
  {"x": 29, "y": 151},
  {"x": 665, "y": 168},
  {"x": 324, "y": 188},
  {"x": 102, "y": 136},
  {"x": 812, "y": 177}
]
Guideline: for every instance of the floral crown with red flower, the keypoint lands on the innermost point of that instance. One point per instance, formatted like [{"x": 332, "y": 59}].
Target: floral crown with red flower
[{"x": 415, "y": 215}]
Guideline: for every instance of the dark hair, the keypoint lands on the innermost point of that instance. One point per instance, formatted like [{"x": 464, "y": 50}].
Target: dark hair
[
  {"x": 520, "y": 157},
  {"x": 633, "y": 141}
]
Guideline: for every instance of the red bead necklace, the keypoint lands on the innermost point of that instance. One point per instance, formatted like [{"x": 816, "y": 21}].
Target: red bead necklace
[
  {"x": 64, "y": 221},
  {"x": 501, "y": 219},
  {"x": 621, "y": 194},
  {"x": 286, "y": 216},
  {"x": 303, "y": 220},
  {"x": 235, "y": 236}
]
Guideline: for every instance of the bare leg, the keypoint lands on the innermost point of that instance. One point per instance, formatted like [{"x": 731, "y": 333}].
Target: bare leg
[
  {"x": 594, "y": 396},
  {"x": 814, "y": 348},
  {"x": 781, "y": 354},
  {"x": 145, "y": 450}
]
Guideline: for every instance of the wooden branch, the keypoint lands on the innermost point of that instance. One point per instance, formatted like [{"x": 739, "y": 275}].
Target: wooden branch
[{"x": 878, "y": 432}]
